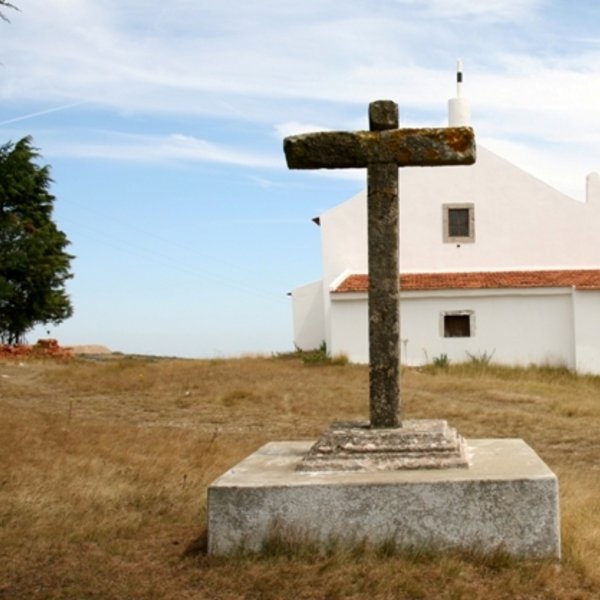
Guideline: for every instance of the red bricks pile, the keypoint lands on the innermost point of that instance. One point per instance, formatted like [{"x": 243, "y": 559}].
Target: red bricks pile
[{"x": 42, "y": 349}]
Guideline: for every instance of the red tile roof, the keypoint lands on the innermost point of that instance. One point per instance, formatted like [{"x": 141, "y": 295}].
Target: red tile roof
[{"x": 587, "y": 279}]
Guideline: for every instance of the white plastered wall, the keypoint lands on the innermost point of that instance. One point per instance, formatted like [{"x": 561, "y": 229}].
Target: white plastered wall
[
  {"x": 516, "y": 327},
  {"x": 307, "y": 308},
  {"x": 587, "y": 330},
  {"x": 350, "y": 327}
]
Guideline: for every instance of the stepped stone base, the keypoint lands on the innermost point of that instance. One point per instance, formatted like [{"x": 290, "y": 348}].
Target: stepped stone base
[
  {"x": 418, "y": 444},
  {"x": 507, "y": 499}
]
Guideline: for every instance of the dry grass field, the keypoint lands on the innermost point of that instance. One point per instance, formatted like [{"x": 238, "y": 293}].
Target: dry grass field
[{"x": 104, "y": 466}]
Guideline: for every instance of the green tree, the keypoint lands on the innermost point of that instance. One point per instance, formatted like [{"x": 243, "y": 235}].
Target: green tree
[{"x": 33, "y": 263}]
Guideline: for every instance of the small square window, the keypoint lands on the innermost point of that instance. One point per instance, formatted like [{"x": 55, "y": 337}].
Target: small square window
[
  {"x": 459, "y": 223},
  {"x": 457, "y": 324}
]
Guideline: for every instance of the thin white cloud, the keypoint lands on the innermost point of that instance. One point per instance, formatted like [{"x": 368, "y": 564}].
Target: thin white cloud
[
  {"x": 488, "y": 10},
  {"x": 283, "y": 130},
  {"x": 159, "y": 149},
  {"x": 259, "y": 49},
  {"x": 41, "y": 113},
  {"x": 263, "y": 182},
  {"x": 288, "y": 66}
]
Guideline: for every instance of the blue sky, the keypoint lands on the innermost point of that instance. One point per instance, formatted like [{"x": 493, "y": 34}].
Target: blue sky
[{"x": 163, "y": 125}]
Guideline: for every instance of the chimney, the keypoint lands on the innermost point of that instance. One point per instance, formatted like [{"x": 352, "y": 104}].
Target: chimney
[{"x": 459, "y": 110}]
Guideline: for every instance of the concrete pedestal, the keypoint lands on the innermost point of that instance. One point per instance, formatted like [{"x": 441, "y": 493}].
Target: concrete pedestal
[{"x": 507, "y": 499}]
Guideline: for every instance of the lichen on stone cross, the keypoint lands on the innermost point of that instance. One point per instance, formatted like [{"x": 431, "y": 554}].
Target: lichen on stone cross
[{"x": 381, "y": 150}]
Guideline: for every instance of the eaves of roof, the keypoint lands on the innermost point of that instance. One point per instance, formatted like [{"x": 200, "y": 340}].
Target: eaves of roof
[{"x": 585, "y": 279}]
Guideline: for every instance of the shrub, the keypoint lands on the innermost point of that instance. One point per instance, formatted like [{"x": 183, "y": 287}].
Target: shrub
[{"x": 441, "y": 362}]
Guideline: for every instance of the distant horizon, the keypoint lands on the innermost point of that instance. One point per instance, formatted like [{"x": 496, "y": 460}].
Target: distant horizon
[
  {"x": 101, "y": 350},
  {"x": 164, "y": 130}
]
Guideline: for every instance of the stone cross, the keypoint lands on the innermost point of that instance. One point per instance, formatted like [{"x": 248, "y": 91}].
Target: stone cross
[{"x": 382, "y": 150}]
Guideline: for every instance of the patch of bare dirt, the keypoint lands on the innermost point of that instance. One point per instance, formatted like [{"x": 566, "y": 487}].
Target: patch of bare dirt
[{"x": 91, "y": 349}]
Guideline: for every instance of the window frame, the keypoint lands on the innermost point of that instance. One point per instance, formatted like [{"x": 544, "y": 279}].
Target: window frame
[
  {"x": 457, "y": 313},
  {"x": 458, "y": 239}
]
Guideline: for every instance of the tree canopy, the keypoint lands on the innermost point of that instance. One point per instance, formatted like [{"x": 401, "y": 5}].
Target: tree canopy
[{"x": 33, "y": 263}]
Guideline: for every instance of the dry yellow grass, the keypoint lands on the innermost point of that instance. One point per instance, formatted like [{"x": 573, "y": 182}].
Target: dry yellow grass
[{"x": 104, "y": 467}]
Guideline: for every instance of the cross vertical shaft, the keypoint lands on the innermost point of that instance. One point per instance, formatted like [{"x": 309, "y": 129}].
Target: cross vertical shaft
[{"x": 383, "y": 209}]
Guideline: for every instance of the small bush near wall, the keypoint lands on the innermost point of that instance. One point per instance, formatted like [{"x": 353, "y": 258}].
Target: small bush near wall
[{"x": 318, "y": 356}]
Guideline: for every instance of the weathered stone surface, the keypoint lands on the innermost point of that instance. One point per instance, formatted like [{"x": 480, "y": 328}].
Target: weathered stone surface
[
  {"x": 418, "y": 444},
  {"x": 508, "y": 499},
  {"x": 426, "y": 147},
  {"x": 383, "y": 114},
  {"x": 383, "y": 210},
  {"x": 382, "y": 150}
]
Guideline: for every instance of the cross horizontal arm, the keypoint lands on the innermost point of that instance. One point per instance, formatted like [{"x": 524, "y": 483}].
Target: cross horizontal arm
[{"x": 426, "y": 147}]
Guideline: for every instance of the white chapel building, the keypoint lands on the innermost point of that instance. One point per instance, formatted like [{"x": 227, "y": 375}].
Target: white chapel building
[{"x": 493, "y": 261}]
